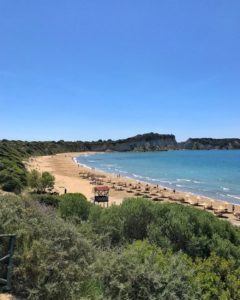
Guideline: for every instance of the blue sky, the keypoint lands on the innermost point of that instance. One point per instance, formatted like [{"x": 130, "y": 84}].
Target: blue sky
[{"x": 90, "y": 69}]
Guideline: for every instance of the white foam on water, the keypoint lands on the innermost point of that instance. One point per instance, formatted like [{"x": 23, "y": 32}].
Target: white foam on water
[
  {"x": 137, "y": 176},
  {"x": 234, "y": 196},
  {"x": 195, "y": 181},
  {"x": 183, "y": 179},
  {"x": 225, "y": 188},
  {"x": 155, "y": 179},
  {"x": 124, "y": 172},
  {"x": 166, "y": 181}
]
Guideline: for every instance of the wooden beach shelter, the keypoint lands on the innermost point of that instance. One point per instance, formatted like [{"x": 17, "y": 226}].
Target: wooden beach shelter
[{"x": 101, "y": 194}]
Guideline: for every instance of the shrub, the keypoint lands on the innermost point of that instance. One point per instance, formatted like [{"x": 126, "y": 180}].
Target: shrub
[
  {"x": 12, "y": 171},
  {"x": 41, "y": 183},
  {"x": 137, "y": 214},
  {"x": 198, "y": 233},
  {"x": 74, "y": 206},
  {"x": 170, "y": 226},
  {"x": 12, "y": 184},
  {"x": 142, "y": 271},
  {"x": 108, "y": 222},
  {"x": 47, "y": 199},
  {"x": 34, "y": 179},
  {"x": 217, "y": 278},
  {"x": 51, "y": 258},
  {"x": 181, "y": 253},
  {"x": 47, "y": 181}
]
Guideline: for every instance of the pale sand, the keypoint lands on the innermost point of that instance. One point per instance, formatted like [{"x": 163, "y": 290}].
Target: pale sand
[
  {"x": 66, "y": 173},
  {"x": 7, "y": 297}
]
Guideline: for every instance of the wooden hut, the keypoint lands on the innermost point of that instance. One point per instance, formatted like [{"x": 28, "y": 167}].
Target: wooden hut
[{"x": 101, "y": 194}]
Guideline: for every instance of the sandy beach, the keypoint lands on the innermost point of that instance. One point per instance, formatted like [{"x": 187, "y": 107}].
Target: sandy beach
[{"x": 79, "y": 179}]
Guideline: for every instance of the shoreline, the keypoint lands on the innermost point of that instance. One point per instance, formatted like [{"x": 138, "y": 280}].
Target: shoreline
[
  {"x": 67, "y": 170},
  {"x": 145, "y": 180}
]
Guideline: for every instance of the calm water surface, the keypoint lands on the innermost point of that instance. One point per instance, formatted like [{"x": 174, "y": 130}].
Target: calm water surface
[{"x": 210, "y": 173}]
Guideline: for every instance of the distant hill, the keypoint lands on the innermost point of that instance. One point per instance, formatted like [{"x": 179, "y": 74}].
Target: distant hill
[
  {"x": 142, "y": 142},
  {"x": 209, "y": 144}
]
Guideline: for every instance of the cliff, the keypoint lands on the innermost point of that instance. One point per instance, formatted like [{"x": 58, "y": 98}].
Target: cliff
[
  {"x": 144, "y": 142},
  {"x": 210, "y": 144}
]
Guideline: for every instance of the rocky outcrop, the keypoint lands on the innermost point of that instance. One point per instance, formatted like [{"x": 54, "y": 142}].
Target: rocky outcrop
[
  {"x": 144, "y": 142},
  {"x": 210, "y": 144}
]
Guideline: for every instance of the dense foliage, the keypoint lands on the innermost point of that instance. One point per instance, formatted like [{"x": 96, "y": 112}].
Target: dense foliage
[
  {"x": 41, "y": 182},
  {"x": 138, "y": 250},
  {"x": 51, "y": 257},
  {"x": 13, "y": 174},
  {"x": 74, "y": 206}
]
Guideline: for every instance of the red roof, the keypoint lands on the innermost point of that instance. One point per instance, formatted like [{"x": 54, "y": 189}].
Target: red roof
[{"x": 101, "y": 188}]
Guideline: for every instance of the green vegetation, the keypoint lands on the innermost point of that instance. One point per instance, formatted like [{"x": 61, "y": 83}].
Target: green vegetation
[
  {"x": 67, "y": 248},
  {"x": 41, "y": 182},
  {"x": 13, "y": 174},
  {"x": 74, "y": 206}
]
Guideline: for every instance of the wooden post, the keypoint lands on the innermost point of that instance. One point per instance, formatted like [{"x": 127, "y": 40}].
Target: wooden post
[{"x": 7, "y": 261}]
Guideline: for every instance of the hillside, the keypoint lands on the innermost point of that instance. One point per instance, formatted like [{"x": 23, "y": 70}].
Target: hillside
[{"x": 210, "y": 144}]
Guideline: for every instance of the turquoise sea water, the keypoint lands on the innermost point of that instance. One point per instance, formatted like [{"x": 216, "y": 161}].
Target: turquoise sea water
[{"x": 214, "y": 174}]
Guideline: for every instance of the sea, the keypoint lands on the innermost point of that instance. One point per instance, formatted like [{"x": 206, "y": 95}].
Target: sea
[{"x": 211, "y": 173}]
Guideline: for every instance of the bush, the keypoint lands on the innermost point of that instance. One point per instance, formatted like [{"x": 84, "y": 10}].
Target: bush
[
  {"x": 13, "y": 175},
  {"x": 181, "y": 252},
  {"x": 142, "y": 271},
  {"x": 47, "y": 199},
  {"x": 34, "y": 179},
  {"x": 41, "y": 183},
  {"x": 108, "y": 222},
  {"x": 47, "y": 181},
  {"x": 217, "y": 278},
  {"x": 137, "y": 215},
  {"x": 74, "y": 206},
  {"x": 170, "y": 226},
  {"x": 51, "y": 258},
  {"x": 198, "y": 233},
  {"x": 12, "y": 184}
]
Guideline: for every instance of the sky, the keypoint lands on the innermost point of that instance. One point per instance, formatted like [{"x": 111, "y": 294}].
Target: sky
[{"x": 90, "y": 69}]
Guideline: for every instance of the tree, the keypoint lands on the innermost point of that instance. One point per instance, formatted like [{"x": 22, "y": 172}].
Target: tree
[
  {"x": 74, "y": 206},
  {"x": 34, "y": 179},
  {"x": 47, "y": 181},
  {"x": 41, "y": 183}
]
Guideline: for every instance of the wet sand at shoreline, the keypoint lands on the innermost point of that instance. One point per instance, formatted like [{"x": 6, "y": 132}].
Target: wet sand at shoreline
[{"x": 76, "y": 178}]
